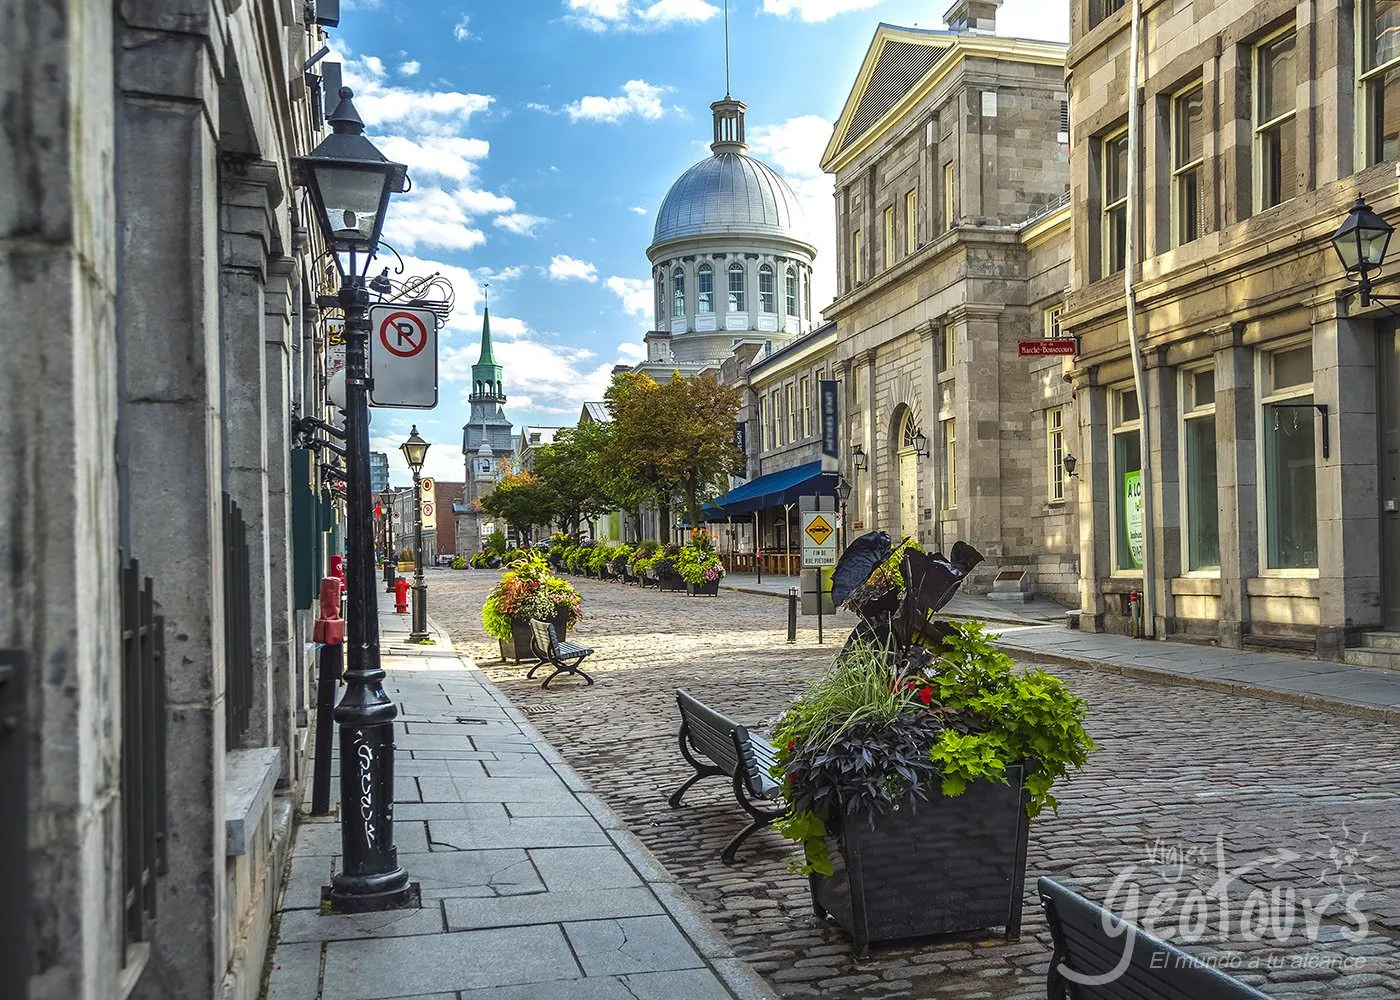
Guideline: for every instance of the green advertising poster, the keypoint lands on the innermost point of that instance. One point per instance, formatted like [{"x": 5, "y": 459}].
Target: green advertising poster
[{"x": 1132, "y": 515}]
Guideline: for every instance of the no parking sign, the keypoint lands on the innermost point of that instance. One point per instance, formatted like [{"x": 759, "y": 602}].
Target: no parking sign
[{"x": 403, "y": 357}]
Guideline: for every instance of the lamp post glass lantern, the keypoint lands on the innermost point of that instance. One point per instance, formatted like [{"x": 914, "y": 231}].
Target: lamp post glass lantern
[
  {"x": 415, "y": 453},
  {"x": 1361, "y": 242},
  {"x": 349, "y": 182}
]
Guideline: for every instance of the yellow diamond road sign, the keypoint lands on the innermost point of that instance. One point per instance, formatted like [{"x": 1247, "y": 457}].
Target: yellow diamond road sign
[{"x": 819, "y": 529}]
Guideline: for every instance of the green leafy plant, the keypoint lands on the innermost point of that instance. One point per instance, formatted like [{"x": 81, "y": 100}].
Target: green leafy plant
[
  {"x": 697, "y": 562},
  {"x": 621, "y": 560},
  {"x": 459, "y": 562},
  {"x": 496, "y": 542},
  {"x": 599, "y": 556},
  {"x": 528, "y": 590}
]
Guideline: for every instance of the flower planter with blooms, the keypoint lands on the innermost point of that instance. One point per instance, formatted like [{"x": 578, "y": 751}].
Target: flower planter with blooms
[
  {"x": 528, "y": 590},
  {"x": 699, "y": 566},
  {"x": 665, "y": 569},
  {"x": 642, "y": 559},
  {"x": 912, "y": 769}
]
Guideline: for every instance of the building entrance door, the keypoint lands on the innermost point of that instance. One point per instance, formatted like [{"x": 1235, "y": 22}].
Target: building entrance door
[
  {"x": 908, "y": 494},
  {"x": 1388, "y": 413}
]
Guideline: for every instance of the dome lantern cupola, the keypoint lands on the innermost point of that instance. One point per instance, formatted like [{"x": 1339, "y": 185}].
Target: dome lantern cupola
[{"x": 729, "y": 126}]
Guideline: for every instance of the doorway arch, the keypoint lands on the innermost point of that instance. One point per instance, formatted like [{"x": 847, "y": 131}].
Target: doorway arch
[{"x": 904, "y": 433}]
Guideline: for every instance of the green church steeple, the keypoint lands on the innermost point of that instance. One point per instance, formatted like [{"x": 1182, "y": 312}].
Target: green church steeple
[{"x": 487, "y": 385}]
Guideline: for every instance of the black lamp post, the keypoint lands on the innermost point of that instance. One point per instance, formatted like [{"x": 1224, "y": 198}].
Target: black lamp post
[
  {"x": 391, "y": 558},
  {"x": 349, "y": 182},
  {"x": 415, "y": 453},
  {"x": 1361, "y": 242},
  {"x": 843, "y": 493}
]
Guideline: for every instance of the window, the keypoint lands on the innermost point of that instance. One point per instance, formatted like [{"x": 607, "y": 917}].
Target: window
[
  {"x": 1274, "y": 102},
  {"x": 948, "y": 354},
  {"x": 857, "y": 268},
  {"x": 1380, "y": 79},
  {"x": 790, "y": 287},
  {"x": 1125, "y": 478},
  {"x": 1113, "y": 166},
  {"x": 705, "y": 289},
  {"x": 948, "y": 204},
  {"x": 1063, "y": 134},
  {"x": 1287, "y": 425},
  {"x": 1187, "y": 157},
  {"x": 1199, "y": 483},
  {"x": 950, "y": 464},
  {"x": 775, "y": 405},
  {"x": 804, "y": 391},
  {"x": 807, "y": 294},
  {"x": 678, "y": 294},
  {"x": 889, "y": 237},
  {"x": 1050, "y": 322},
  {"x": 767, "y": 291},
  {"x": 736, "y": 288},
  {"x": 792, "y": 414},
  {"x": 1055, "y": 452},
  {"x": 764, "y": 422},
  {"x": 911, "y": 222}
]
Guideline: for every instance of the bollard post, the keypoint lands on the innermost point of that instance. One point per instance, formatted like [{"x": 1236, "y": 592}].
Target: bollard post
[
  {"x": 792, "y": 614},
  {"x": 821, "y": 597},
  {"x": 329, "y": 633}
]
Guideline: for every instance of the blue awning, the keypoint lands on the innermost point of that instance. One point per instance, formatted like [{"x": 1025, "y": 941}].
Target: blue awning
[{"x": 772, "y": 490}]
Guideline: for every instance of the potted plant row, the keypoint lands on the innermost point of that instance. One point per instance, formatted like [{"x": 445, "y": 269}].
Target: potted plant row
[
  {"x": 528, "y": 590},
  {"x": 911, "y": 770}
]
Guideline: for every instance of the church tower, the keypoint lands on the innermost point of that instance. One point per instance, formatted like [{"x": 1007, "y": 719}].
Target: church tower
[{"x": 487, "y": 438}]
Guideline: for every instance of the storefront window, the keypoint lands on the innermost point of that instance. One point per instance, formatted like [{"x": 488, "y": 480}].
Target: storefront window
[
  {"x": 1199, "y": 476},
  {"x": 1126, "y": 482},
  {"x": 1287, "y": 427}
]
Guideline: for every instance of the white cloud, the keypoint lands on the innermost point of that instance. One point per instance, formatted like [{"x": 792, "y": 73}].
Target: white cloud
[
  {"x": 637, "y": 98},
  {"x": 632, "y": 352},
  {"x": 449, "y": 157},
  {"x": 505, "y": 274},
  {"x": 562, "y": 267},
  {"x": 815, "y": 10},
  {"x": 459, "y": 30},
  {"x": 633, "y": 293},
  {"x": 794, "y": 148},
  {"x": 520, "y": 223},
  {"x": 638, "y": 15},
  {"x": 410, "y": 68},
  {"x": 638, "y": 209},
  {"x": 430, "y": 217}
]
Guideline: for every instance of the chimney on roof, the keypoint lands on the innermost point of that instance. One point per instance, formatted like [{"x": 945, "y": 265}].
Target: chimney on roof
[{"x": 973, "y": 15}]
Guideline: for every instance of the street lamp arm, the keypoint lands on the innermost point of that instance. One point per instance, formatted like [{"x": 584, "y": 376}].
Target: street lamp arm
[
  {"x": 315, "y": 444},
  {"x": 304, "y": 425}
]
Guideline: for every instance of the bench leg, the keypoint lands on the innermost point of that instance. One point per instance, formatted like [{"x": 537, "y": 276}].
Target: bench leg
[
  {"x": 675, "y": 799},
  {"x": 563, "y": 668},
  {"x": 730, "y": 850}
]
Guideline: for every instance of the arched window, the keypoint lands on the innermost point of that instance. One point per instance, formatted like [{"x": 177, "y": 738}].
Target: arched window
[
  {"x": 767, "y": 293},
  {"x": 736, "y": 288},
  {"x": 660, "y": 298},
  {"x": 792, "y": 291},
  {"x": 678, "y": 291},
  {"x": 705, "y": 289},
  {"x": 807, "y": 293}
]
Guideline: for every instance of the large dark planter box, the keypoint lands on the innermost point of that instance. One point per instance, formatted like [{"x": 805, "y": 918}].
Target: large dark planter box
[
  {"x": 671, "y": 581},
  {"x": 710, "y": 589},
  {"x": 518, "y": 646},
  {"x": 944, "y": 866}
]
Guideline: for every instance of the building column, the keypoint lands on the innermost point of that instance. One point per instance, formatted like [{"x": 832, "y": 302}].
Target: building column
[
  {"x": 1095, "y": 496},
  {"x": 930, "y": 338},
  {"x": 1345, "y": 379},
  {"x": 246, "y": 231},
  {"x": 285, "y": 662},
  {"x": 872, "y": 496},
  {"x": 1237, "y": 449},
  {"x": 978, "y": 428},
  {"x": 1165, "y": 456},
  {"x": 167, "y": 191},
  {"x": 59, "y": 550}
]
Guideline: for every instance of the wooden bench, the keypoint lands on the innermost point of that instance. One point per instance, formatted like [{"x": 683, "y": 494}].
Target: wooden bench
[
  {"x": 564, "y": 657},
  {"x": 1099, "y": 956},
  {"x": 732, "y": 752}
]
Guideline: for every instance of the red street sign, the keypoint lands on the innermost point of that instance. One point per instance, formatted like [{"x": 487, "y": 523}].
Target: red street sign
[{"x": 1050, "y": 347}]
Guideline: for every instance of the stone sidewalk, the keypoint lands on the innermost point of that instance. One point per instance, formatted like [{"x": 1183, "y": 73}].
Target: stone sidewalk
[{"x": 532, "y": 888}]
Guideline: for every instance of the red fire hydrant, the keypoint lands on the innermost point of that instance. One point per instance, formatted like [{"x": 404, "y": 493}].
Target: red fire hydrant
[{"x": 401, "y": 589}]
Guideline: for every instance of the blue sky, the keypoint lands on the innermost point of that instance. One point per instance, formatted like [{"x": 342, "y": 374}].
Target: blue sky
[{"x": 541, "y": 136}]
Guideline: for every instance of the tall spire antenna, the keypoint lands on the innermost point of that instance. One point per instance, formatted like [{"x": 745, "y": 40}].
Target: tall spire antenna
[
  {"x": 487, "y": 285},
  {"x": 726, "y": 49}
]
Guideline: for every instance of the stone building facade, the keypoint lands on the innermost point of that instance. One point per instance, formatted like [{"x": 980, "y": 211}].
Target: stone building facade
[
  {"x": 488, "y": 440},
  {"x": 951, "y": 163},
  {"x": 149, "y": 228},
  {"x": 1272, "y": 470}
]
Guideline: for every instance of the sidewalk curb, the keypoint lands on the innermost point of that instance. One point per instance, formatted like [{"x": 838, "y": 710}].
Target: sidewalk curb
[
  {"x": 1336, "y": 706},
  {"x": 971, "y": 618},
  {"x": 736, "y": 974}
]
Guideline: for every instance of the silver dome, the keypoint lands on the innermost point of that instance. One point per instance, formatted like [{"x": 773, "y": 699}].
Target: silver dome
[{"x": 730, "y": 194}]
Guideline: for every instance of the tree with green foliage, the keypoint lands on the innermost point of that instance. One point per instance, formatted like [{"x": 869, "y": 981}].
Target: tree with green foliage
[
  {"x": 521, "y": 500},
  {"x": 573, "y": 468}
]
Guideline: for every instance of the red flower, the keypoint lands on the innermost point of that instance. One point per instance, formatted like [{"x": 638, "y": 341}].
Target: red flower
[
  {"x": 926, "y": 695},
  {"x": 790, "y": 745}
]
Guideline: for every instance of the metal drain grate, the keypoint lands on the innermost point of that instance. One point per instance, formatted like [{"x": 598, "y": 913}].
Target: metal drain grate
[{"x": 535, "y": 709}]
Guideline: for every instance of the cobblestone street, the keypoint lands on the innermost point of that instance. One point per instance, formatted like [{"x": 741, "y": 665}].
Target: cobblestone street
[{"x": 1293, "y": 805}]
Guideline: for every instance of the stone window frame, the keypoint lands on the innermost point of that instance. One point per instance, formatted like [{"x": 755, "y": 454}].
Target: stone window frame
[
  {"x": 1281, "y": 125},
  {"x": 1110, "y": 206},
  {"x": 1192, "y": 409},
  {"x": 790, "y": 290},
  {"x": 1264, "y": 410},
  {"x": 1371, "y": 86},
  {"x": 949, "y": 477},
  {"x": 767, "y": 297},
  {"x": 911, "y": 222},
  {"x": 888, "y": 241},
  {"x": 1101, "y": 9},
  {"x": 1185, "y": 172},
  {"x": 807, "y": 294},
  {"x": 765, "y": 429},
  {"x": 678, "y": 293},
  {"x": 704, "y": 299},
  {"x": 737, "y": 299},
  {"x": 1121, "y": 425},
  {"x": 950, "y": 204},
  {"x": 857, "y": 264},
  {"x": 660, "y": 297},
  {"x": 793, "y": 416},
  {"x": 1055, "y": 454}
]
